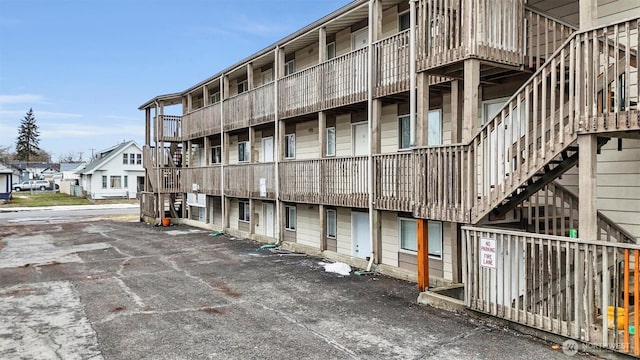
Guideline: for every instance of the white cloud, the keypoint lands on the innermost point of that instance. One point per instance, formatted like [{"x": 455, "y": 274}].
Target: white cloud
[{"x": 20, "y": 99}]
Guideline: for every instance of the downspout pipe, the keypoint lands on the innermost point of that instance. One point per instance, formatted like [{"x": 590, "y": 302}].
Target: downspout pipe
[
  {"x": 160, "y": 204},
  {"x": 223, "y": 149},
  {"x": 370, "y": 171},
  {"x": 276, "y": 146},
  {"x": 412, "y": 72}
]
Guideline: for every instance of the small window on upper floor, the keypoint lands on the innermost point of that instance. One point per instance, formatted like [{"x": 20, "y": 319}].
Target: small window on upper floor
[
  {"x": 214, "y": 97},
  {"x": 125, "y": 159},
  {"x": 290, "y": 146},
  {"x": 243, "y": 86},
  {"x": 404, "y": 21},
  {"x": 138, "y": 159},
  {"x": 216, "y": 154},
  {"x": 404, "y": 132},
  {"x": 289, "y": 67},
  {"x": 243, "y": 151},
  {"x": 331, "y": 50},
  {"x": 331, "y": 141}
]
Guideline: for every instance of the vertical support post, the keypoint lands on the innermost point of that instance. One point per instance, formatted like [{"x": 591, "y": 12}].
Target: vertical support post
[
  {"x": 636, "y": 301},
  {"x": 370, "y": 180},
  {"x": 471, "y": 98},
  {"x": 252, "y": 139},
  {"x": 412, "y": 71},
  {"x": 224, "y": 145},
  {"x": 322, "y": 134},
  {"x": 423, "y": 254},
  {"x": 278, "y": 132},
  {"x": 205, "y": 98},
  {"x": 322, "y": 44},
  {"x": 422, "y": 123},
  {"x": 587, "y": 175},
  {"x": 457, "y": 99},
  {"x": 207, "y": 151},
  {"x": 189, "y": 102},
  {"x": 250, "y": 84},
  {"x": 322, "y": 214},
  {"x": 588, "y": 14},
  {"x": 252, "y": 216},
  {"x": 625, "y": 344}
]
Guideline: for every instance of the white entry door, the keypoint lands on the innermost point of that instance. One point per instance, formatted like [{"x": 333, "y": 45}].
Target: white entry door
[
  {"x": 267, "y": 150},
  {"x": 268, "y": 214},
  {"x": 360, "y": 234},
  {"x": 360, "y": 139},
  {"x": 360, "y": 39}
]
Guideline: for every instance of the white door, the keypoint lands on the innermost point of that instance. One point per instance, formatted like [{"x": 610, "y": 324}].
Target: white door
[
  {"x": 360, "y": 39},
  {"x": 267, "y": 150},
  {"x": 268, "y": 214},
  {"x": 360, "y": 234},
  {"x": 360, "y": 139}
]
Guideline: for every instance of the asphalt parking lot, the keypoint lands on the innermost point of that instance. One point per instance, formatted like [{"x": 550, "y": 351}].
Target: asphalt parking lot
[{"x": 98, "y": 289}]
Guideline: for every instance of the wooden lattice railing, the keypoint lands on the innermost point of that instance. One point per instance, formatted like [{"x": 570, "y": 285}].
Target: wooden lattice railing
[
  {"x": 202, "y": 122},
  {"x": 168, "y": 128}
]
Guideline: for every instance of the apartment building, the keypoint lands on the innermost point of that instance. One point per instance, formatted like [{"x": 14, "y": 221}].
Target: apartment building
[{"x": 436, "y": 141}]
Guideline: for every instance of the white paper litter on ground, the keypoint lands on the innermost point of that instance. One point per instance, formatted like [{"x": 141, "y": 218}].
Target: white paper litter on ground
[{"x": 338, "y": 268}]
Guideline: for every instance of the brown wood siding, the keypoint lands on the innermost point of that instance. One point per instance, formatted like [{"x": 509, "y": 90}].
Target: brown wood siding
[
  {"x": 332, "y": 245},
  {"x": 410, "y": 262},
  {"x": 243, "y": 226}
]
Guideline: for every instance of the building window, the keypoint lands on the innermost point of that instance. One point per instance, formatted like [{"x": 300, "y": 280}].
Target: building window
[
  {"x": 214, "y": 97},
  {"x": 138, "y": 159},
  {"x": 289, "y": 67},
  {"x": 404, "y": 21},
  {"x": 290, "y": 146},
  {"x": 104, "y": 182},
  {"x": 243, "y": 86},
  {"x": 115, "y": 182},
  {"x": 243, "y": 211},
  {"x": 331, "y": 141},
  {"x": 132, "y": 159},
  {"x": 290, "y": 217},
  {"x": 216, "y": 154},
  {"x": 125, "y": 159},
  {"x": 267, "y": 76},
  {"x": 126, "y": 181},
  {"x": 331, "y": 50},
  {"x": 408, "y": 234},
  {"x": 243, "y": 151},
  {"x": 332, "y": 224},
  {"x": 435, "y": 239},
  {"x": 434, "y": 130},
  {"x": 404, "y": 132}
]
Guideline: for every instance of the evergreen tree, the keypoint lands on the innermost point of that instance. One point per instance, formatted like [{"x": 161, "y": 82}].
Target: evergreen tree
[{"x": 27, "y": 142}]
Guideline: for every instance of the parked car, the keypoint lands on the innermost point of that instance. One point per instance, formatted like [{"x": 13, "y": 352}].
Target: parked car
[{"x": 32, "y": 185}]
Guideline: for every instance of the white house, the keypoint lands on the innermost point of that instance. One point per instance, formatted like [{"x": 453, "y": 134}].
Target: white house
[
  {"x": 115, "y": 172},
  {"x": 6, "y": 179}
]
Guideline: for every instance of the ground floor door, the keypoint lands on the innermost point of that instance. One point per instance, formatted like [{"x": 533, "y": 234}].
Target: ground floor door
[
  {"x": 268, "y": 214},
  {"x": 360, "y": 234},
  {"x": 140, "y": 182}
]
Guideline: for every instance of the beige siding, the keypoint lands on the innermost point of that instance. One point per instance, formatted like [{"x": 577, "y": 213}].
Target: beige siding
[
  {"x": 447, "y": 256},
  {"x": 308, "y": 221},
  {"x": 618, "y": 185},
  {"x": 344, "y": 231},
  {"x": 390, "y": 241},
  {"x": 343, "y": 135},
  {"x": 306, "y": 57},
  {"x": 389, "y": 129},
  {"x": 233, "y": 213},
  {"x": 307, "y": 140},
  {"x": 258, "y": 217},
  {"x": 343, "y": 41},
  {"x": 215, "y": 203},
  {"x": 256, "y": 147},
  {"x": 389, "y": 21},
  {"x": 446, "y": 119},
  {"x": 233, "y": 149},
  {"x": 610, "y": 11}
]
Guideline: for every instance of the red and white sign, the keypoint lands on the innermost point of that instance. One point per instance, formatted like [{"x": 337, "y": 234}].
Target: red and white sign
[{"x": 488, "y": 253}]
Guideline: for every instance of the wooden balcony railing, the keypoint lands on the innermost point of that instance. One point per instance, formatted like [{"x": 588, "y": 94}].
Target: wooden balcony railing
[
  {"x": 543, "y": 36},
  {"x": 168, "y": 128},
  {"x": 557, "y": 284},
  {"x": 252, "y": 107},
  {"x": 255, "y": 180},
  {"x": 337, "y": 82},
  {"x": 335, "y": 181},
  {"x": 202, "y": 122},
  {"x": 395, "y": 176},
  {"x": 204, "y": 180},
  {"x": 391, "y": 64}
]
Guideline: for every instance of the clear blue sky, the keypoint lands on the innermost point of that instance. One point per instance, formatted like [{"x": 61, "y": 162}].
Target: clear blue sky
[{"x": 85, "y": 66}]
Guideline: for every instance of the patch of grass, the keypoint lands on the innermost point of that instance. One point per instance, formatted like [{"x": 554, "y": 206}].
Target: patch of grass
[{"x": 26, "y": 199}]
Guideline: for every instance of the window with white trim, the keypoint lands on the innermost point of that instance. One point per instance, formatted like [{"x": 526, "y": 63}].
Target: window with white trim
[
  {"x": 126, "y": 181},
  {"x": 132, "y": 159},
  {"x": 435, "y": 239},
  {"x": 214, "y": 97},
  {"x": 290, "y": 217},
  {"x": 290, "y": 146},
  {"x": 408, "y": 234},
  {"x": 125, "y": 159},
  {"x": 331, "y": 141},
  {"x": 104, "y": 181},
  {"x": 404, "y": 21},
  {"x": 332, "y": 224},
  {"x": 404, "y": 132},
  {"x": 331, "y": 50},
  {"x": 115, "y": 182},
  {"x": 290, "y": 67},
  {"x": 216, "y": 154},
  {"x": 243, "y": 151},
  {"x": 243, "y": 86},
  {"x": 138, "y": 159},
  {"x": 243, "y": 211},
  {"x": 434, "y": 128}
]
